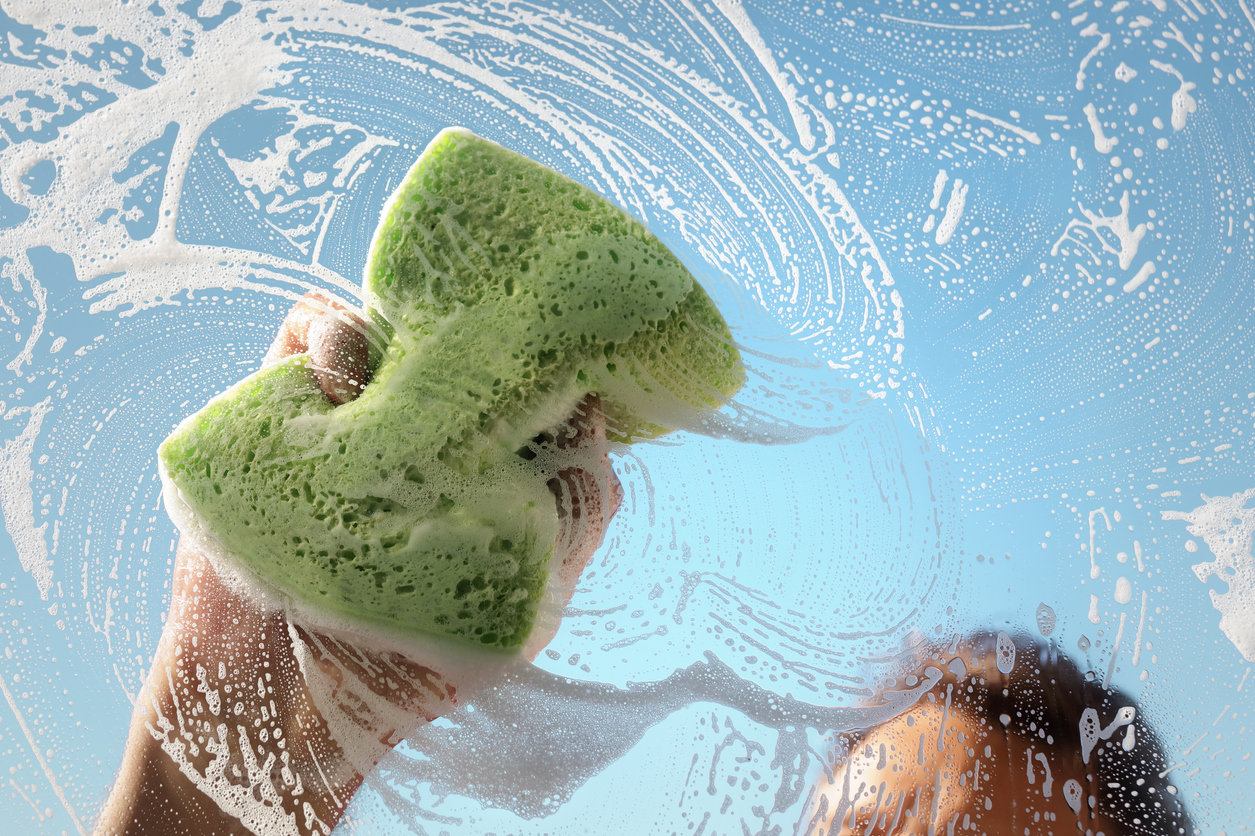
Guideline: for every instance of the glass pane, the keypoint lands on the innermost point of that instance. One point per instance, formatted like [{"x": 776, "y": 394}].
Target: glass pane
[{"x": 968, "y": 548}]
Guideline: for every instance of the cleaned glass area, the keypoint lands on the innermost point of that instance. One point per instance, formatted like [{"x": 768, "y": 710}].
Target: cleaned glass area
[{"x": 969, "y": 550}]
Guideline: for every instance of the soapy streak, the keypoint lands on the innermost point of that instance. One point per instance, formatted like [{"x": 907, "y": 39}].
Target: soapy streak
[
  {"x": 542, "y": 113},
  {"x": 1142, "y": 275},
  {"x": 521, "y": 720},
  {"x": 322, "y": 774},
  {"x": 39, "y": 757},
  {"x": 954, "y": 212},
  {"x": 1015, "y": 129},
  {"x": 569, "y": 130},
  {"x": 1102, "y": 144},
  {"x": 1141, "y": 625},
  {"x": 731, "y": 591},
  {"x": 967, "y": 27},
  {"x": 1115, "y": 652},
  {"x": 1247, "y": 12},
  {"x": 1177, "y": 36},
  {"x": 148, "y": 281},
  {"x": 939, "y": 186},
  {"x": 1094, "y": 571},
  {"x": 736, "y": 15},
  {"x": 1188, "y": 11},
  {"x": 356, "y": 715},
  {"x": 38, "y": 812},
  {"x": 1118, "y": 225},
  {"x": 27, "y": 353},
  {"x": 1090, "y": 31},
  {"x": 1183, "y": 103},
  {"x": 1227, "y": 526},
  {"x": 736, "y": 62},
  {"x": 17, "y": 502}
]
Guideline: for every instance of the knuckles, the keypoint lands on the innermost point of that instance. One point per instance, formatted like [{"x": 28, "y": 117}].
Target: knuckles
[
  {"x": 340, "y": 355},
  {"x": 334, "y": 337}
]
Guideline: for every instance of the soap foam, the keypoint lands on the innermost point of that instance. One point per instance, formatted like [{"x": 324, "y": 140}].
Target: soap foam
[{"x": 1227, "y": 525}]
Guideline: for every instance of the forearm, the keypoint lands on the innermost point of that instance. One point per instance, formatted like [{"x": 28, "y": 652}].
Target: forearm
[
  {"x": 225, "y": 737},
  {"x": 152, "y": 795},
  {"x": 176, "y": 780}
]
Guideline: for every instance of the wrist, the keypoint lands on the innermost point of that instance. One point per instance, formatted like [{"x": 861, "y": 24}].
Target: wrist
[
  {"x": 251, "y": 724},
  {"x": 224, "y": 738}
]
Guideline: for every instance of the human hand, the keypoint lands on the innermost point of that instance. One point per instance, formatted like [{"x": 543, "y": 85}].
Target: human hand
[{"x": 251, "y": 722}]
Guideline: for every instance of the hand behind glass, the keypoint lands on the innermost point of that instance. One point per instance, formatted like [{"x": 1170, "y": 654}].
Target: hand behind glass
[{"x": 251, "y": 723}]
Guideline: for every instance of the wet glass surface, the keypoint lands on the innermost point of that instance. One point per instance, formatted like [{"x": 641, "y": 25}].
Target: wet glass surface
[{"x": 988, "y": 267}]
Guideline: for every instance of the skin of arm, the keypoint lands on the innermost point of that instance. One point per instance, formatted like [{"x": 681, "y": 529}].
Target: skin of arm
[
  {"x": 209, "y": 625},
  {"x": 228, "y": 735}
]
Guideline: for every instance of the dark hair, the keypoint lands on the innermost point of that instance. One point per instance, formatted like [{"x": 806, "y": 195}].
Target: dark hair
[{"x": 1039, "y": 694}]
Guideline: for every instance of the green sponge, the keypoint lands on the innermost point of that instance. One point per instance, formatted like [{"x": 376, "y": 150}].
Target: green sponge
[{"x": 505, "y": 292}]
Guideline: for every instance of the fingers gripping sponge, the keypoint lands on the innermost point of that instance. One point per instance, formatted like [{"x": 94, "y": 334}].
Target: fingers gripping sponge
[{"x": 505, "y": 293}]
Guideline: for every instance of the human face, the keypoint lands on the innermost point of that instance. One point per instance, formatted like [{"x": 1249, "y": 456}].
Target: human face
[{"x": 934, "y": 769}]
